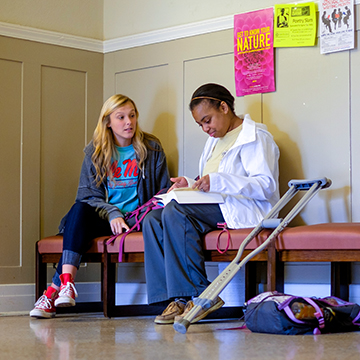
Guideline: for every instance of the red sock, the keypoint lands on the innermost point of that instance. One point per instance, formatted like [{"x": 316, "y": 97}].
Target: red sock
[
  {"x": 50, "y": 291},
  {"x": 65, "y": 278}
]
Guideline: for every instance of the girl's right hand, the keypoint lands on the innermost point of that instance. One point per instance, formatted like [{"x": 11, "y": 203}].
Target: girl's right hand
[
  {"x": 179, "y": 182},
  {"x": 117, "y": 225}
]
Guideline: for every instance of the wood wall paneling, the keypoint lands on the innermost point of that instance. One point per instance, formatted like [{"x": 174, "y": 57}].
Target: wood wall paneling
[
  {"x": 355, "y": 130},
  {"x": 308, "y": 115},
  {"x": 149, "y": 89},
  {"x": 11, "y": 78},
  {"x": 63, "y": 134}
]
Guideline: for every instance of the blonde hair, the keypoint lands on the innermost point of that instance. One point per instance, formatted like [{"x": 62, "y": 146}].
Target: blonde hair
[{"x": 103, "y": 139}]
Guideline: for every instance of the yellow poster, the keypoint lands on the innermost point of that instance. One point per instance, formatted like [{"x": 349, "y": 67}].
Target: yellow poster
[{"x": 295, "y": 25}]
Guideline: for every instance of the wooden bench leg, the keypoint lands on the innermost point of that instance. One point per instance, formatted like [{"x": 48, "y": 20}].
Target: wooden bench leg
[
  {"x": 109, "y": 285},
  {"x": 41, "y": 274},
  {"x": 271, "y": 267},
  {"x": 340, "y": 279},
  {"x": 275, "y": 270},
  {"x": 250, "y": 280},
  {"x": 102, "y": 281}
]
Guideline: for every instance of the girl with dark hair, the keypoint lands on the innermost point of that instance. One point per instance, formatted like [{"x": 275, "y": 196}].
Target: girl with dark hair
[
  {"x": 123, "y": 167},
  {"x": 240, "y": 161}
]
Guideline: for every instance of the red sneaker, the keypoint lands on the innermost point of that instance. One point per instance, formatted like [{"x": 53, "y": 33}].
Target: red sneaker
[
  {"x": 67, "y": 292},
  {"x": 44, "y": 307}
]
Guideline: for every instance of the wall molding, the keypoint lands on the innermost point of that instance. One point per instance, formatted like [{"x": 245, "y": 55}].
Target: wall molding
[
  {"x": 122, "y": 43},
  {"x": 172, "y": 33},
  {"x": 51, "y": 37}
]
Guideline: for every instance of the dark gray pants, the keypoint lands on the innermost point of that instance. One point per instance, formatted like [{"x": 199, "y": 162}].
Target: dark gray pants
[{"x": 174, "y": 260}]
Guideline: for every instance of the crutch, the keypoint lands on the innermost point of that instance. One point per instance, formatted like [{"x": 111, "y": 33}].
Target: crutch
[{"x": 208, "y": 297}]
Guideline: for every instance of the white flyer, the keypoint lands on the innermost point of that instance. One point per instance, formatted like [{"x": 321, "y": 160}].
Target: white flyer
[{"x": 336, "y": 20}]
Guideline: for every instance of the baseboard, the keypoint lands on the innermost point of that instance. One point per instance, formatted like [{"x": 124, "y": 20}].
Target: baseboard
[{"x": 19, "y": 299}]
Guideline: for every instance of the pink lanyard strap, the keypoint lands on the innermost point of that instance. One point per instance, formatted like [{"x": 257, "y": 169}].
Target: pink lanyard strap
[
  {"x": 123, "y": 236},
  {"x": 149, "y": 205},
  {"x": 224, "y": 228}
]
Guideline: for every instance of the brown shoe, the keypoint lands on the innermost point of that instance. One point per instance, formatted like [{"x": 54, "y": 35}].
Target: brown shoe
[
  {"x": 202, "y": 313},
  {"x": 174, "y": 308}
]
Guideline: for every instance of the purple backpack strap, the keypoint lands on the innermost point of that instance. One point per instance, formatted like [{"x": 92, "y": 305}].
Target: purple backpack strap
[
  {"x": 318, "y": 314},
  {"x": 355, "y": 321}
]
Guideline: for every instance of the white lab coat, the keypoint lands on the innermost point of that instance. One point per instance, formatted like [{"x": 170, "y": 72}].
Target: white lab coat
[{"x": 247, "y": 177}]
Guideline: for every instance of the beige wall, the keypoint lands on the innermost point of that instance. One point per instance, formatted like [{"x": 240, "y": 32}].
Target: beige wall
[
  {"x": 50, "y": 100},
  {"x": 312, "y": 113},
  {"x": 122, "y": 18},
  {"x": 80, "y": 17}
]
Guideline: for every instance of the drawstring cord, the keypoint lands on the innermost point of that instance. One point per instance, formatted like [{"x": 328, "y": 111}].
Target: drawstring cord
[{"x": 224, "y": 228}]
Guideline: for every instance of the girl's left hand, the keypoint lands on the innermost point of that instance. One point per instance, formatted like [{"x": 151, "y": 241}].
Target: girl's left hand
[
  {"x": 117, "y": 225},
  {"x": 203, "y": 183}
]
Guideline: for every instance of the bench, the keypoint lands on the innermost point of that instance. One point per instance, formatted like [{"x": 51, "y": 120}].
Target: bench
[
  {"x": 49, "y": 249},
  {"x": 337, "y": 243}
]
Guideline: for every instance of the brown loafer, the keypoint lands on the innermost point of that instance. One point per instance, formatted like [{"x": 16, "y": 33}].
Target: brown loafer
[
  {"x": 174, "y": 308},
  {"x": 202, "y": 313}
]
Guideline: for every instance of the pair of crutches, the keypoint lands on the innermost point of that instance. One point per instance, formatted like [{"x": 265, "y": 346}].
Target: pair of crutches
[{"x": 209, "y": 296}]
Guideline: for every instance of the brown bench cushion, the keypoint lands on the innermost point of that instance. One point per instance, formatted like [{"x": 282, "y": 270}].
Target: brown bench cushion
[
  {"x": 53, "y": 245},
  {"x": 329, "y": 236},
  {"x": 134, "y": 242}
]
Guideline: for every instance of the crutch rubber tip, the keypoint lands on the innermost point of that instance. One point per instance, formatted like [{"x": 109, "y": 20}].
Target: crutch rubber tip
[{"x": 182, "y": 326}]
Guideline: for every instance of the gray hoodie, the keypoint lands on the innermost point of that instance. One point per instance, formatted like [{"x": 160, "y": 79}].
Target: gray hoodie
[{"x": 153, "y": 177}]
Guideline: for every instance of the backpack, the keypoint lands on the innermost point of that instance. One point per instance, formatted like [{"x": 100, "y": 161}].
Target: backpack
[{"x": 276, "y": 313}]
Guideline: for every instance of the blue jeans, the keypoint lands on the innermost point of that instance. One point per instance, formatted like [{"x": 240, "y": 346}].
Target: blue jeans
[
  {"x": 174, "y": 260},
  {"x": 82, "y": 225}
]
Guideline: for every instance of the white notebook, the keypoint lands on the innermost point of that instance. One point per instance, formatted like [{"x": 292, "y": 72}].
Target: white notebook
[{"x": 190, "y": 196}]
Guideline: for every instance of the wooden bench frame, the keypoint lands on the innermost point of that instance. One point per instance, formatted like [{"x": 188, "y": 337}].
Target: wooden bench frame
[{"x": 342, "y": 248}]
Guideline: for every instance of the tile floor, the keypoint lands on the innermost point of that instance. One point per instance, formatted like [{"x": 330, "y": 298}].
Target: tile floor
[{"x": 91, "y": 336}]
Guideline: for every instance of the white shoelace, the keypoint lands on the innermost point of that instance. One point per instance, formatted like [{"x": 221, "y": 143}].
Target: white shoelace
[
  {"x": 66, "y": 291},
  {"x": 44, "y": 302}
]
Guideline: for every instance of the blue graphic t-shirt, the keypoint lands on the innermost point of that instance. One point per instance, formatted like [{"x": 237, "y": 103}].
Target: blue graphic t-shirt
[{"x": 123, "y": 188}]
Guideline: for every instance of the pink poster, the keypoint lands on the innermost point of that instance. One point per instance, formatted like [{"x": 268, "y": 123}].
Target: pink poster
[{"x": 254, "y": 52}]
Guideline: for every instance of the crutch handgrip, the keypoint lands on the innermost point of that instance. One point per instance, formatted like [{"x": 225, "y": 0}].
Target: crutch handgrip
[
  {"x": 306, "y": 184},
  {"x": 181, "y": 326},
  {"x": 204, "y": 303},
  {"x": 271, "y": 223}
]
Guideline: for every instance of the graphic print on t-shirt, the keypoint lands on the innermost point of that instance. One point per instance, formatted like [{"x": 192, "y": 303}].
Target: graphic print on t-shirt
[
  {"x": 124, "y": 174},
  {"x": 123, "y": 187}
]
